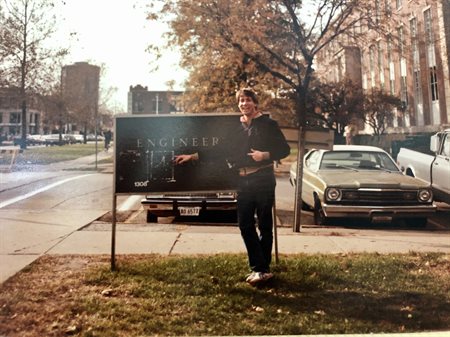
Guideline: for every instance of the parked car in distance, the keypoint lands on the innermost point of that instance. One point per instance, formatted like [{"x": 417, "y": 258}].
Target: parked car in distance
[
  {"x": 434, "y": 169},
  {"x": 69, "y": 138},
  {"x": 78, "y": 138},
  {"x": 361, "y": 182},
  {"x": 30, "y": 140},
  {"x": 54, "y": 139},
  {"x": 91, "y": 138}
]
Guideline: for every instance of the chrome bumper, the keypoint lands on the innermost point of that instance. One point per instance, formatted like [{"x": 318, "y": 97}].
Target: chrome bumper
[
  {"x": 379, "y": 212},
  {"x": 167, "y": 206}
]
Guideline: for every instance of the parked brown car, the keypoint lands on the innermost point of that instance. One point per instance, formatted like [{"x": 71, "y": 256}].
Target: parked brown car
[{"x": 353, "y": 181}]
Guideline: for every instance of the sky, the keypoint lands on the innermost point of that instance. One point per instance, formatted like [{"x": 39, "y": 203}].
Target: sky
[{"x": 115, "y": 33}]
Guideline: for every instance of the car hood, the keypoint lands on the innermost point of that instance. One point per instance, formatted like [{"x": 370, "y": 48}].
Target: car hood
[{"x": 369, "y": 179}]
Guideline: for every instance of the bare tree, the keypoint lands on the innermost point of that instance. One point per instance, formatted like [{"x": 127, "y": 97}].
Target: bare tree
[{"x": 27, "y": 62}]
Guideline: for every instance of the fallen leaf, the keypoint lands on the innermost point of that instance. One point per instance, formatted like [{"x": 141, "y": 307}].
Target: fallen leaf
[
  {"x": 71, "y": 330},
  {"x": 257, "y": 308},
  {"x": 107, "y": 292}
]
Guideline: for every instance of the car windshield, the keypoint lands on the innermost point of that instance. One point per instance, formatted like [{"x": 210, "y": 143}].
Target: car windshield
[{"x": 359, "y": 160}]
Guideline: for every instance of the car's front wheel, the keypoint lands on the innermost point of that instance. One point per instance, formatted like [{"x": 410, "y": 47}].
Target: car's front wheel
[{"x": 319, "y": 216}]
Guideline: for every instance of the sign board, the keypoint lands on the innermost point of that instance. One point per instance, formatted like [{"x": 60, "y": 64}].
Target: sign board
[{"x": 146, "y": 145}]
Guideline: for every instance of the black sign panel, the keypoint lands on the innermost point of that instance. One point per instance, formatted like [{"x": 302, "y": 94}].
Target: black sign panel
[{"x": 145, "y": 148}]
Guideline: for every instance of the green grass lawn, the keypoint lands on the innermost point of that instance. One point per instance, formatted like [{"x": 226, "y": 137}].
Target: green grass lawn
[
  {"x": 151, "y": 295},
  {"x": 52, "y": 154}
]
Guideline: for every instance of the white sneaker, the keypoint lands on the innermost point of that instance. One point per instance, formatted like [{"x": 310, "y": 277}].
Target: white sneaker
[
  {"x": 250, "y": 276},
  {"x": 257, "y": 277}
]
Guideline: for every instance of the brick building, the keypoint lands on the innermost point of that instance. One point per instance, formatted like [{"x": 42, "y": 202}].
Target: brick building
[
  {"x": 143, "y": 101},
  {"x": 11, "y": 114},
  {"x": 411, "y": 63},
  {"x": 80, "y": 89}
]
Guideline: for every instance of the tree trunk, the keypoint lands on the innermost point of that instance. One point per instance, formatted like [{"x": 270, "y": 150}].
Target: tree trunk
[{"x": 23, "y": 142}]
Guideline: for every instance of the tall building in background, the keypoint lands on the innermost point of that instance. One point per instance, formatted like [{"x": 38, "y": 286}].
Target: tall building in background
[
  {"x": 142, "y": 101},
  {"x": 80, "y": 90},
  {"x": 412, "y": 63}
]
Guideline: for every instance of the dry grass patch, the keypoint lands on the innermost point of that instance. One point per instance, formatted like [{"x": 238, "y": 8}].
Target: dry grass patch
[{"x": 205, "y": 295}]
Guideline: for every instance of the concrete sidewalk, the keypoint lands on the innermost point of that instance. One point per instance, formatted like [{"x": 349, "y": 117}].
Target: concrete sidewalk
[
  {"x": 170, "y": 239},
  {"x": 176, "y": 239}
]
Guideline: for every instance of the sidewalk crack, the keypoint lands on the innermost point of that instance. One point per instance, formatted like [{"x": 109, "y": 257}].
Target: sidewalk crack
[{"x": 174, "y": 243}]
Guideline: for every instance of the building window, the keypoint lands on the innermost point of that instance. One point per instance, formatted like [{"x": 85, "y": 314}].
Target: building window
[
  {"x": 401, "y": 51},
  {"x": 389, "y": 48},
  {"x": 428, "y": 27},
  {"x": 372, "y": 65},
  {"x": 139, "y": 106},
  {"x": 431, "y": 56},
  {"x": 391, "y": 67},
  {"x": 401, "y": 41},
  {"x": 403, "y": 91},
  {"x": 377, "y": 12},
  {"x": 434, "y": 84},
  {"x": 157, "y": 104},
  {"x": 414, "y": 43},
  {"x": 380, "y": 64},
  {"x": 417, "y": 87},
  {"x": 388, "y": 7},
  {"x": 14, "y": 118},
  {"x": 418, "y": 99}
]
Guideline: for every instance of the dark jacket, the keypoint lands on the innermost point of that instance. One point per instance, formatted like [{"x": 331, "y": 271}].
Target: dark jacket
[{"x": 263, "y": 135}]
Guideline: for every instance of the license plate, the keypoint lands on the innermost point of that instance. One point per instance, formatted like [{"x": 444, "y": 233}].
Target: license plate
[{"x": 189, "y": 211}]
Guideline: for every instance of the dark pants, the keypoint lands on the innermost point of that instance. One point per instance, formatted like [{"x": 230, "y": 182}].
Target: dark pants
[{"x": 259, "y": 246}]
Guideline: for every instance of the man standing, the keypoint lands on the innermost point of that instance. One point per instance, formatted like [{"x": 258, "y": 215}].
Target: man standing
[
  {"x": 108, "y": 137},
  {"x": 252, "y": 150}
]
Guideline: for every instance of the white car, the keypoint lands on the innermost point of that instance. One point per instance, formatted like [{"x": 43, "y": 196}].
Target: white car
[
  {"x": 434, "y": 169},
  {"x": 91, "y": 138}
]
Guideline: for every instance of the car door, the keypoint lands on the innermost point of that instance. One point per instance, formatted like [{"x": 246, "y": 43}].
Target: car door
[{"x": 441, "y": 167}]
